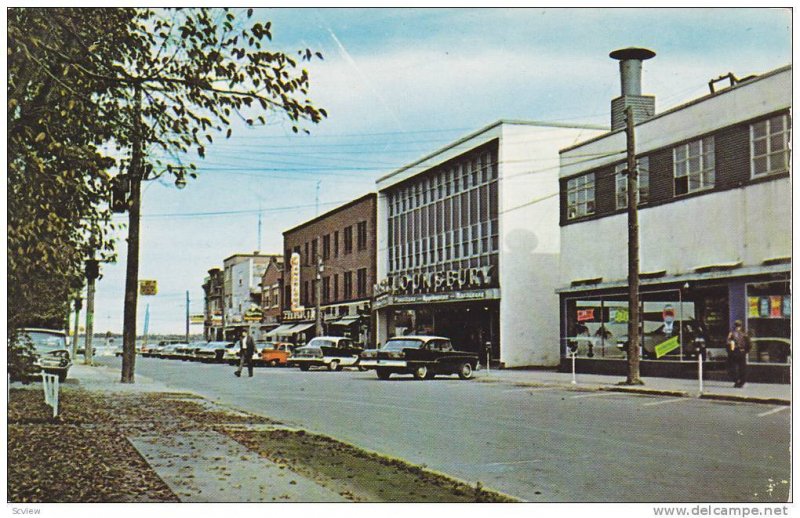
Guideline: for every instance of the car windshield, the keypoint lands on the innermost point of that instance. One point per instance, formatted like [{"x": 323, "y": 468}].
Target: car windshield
[
  {"x": 47, "y": 341},
  {"x": 400, "y": 344},
  {"x": 321, "y": 342}
]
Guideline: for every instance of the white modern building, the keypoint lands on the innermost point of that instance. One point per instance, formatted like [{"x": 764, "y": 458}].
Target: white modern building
[
  {"x": 714, "y": 214},
  {"x": 468, "y": 243},
  {"x": 242, "y": 291}
]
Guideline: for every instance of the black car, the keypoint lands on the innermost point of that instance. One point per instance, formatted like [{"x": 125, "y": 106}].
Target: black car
[{"x": 422, "y": 356}]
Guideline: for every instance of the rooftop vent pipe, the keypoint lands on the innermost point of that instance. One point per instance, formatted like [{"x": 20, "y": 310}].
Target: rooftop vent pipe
[{"x": 630, "y": 71}]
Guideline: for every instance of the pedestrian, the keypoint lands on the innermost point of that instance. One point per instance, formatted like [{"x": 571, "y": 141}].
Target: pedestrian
[
  {"x": 738, "y": 348},
  {"x": 247, "y": 347}
]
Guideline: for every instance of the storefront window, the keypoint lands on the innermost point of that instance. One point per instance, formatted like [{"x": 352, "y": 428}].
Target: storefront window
[{"x": 769, "y": 314}]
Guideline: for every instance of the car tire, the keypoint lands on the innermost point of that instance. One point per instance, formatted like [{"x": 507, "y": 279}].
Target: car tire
[
  {"x": 383, "y": 374},
  {"x": 465, "y": 371},
  {"x": 274, "y": 363},
  {"x": 421, "y": 372},
  {"x": 304, "y": 367},
  {"x": 334, "y": 366}
]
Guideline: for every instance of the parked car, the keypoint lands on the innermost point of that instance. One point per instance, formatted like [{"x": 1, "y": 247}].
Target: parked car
[
  {"x": 50, "y": 351},
  {"x": 274, "y": 353},
  {"x": 423, "y": 356},
  {"x": 694, "y": 340},
  {"x": 169, "y": 351},
  {"x": 213, "y": 351},
  {"x": 333, "y": 352}
]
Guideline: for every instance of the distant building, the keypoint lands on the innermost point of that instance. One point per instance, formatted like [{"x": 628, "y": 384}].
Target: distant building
[
  {"x": 468, "y": 243},
  {"x": 715, "y": 203},
  {"x": 242, "y": 292},
  {"x": 213, "y": 287},
  {"x": 271, "y": 294},
  {"x": 342, "y": 242}
]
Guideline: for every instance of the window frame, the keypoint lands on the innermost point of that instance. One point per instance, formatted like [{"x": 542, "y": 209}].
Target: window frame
[
  {"x": 621, "y": 183},
  {"x": 705, "y": 155},
  {"x": 576, "y": 185},
  {"x": 768, "y": 153}
]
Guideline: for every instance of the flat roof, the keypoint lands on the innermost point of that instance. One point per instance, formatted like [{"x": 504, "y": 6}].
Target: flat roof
[
  {"x": 332, "y": 211},
  {"x": 486, "y": 129},
  {"x": 741, "y": 84}
]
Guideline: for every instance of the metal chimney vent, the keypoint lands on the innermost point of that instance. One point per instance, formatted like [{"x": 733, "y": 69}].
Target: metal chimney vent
[{"x": 630, "y": 71}]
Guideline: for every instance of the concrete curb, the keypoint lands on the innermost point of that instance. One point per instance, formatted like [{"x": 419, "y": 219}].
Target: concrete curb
[{"x": 644, "y": 391}]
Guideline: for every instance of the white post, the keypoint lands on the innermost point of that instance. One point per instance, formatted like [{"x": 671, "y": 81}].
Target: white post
[
  {"x": 700, "y": 370},
  {"x": 50, "y": 387},
  {"x": 574, "y": 354}
]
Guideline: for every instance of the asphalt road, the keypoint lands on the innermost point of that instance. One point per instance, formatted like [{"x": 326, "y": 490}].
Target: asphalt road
[{"x": 538, "y": 444}]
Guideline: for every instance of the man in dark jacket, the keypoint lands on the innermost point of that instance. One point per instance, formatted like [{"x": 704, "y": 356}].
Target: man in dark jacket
[
  {"x": 738, "y": 348},
  {"x": 247, "y": 347}
]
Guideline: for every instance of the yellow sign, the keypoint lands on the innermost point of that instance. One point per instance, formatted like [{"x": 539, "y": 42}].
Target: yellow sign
[
  {"x": 197, "y": 319},
  {"x": 665, "y": 347},
  {"x": 752, "y": 307},
  {"x": 148, "y": 287}
]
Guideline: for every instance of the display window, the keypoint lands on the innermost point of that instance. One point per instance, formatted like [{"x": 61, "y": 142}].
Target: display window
[{"x": 769, "y": 313}]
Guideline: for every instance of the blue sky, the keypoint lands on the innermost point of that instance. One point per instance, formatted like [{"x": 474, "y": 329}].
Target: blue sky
[{"x": 398, "y": 84}]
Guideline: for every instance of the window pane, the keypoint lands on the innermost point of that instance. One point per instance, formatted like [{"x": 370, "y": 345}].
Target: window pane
[
  {"x": 776, "y": 124},
  {"x": 760, "y": 165},
  {"x": 777, "y": 162},
  {"x": 759, "y": 147},
  {"x": 759, "y": 129}
]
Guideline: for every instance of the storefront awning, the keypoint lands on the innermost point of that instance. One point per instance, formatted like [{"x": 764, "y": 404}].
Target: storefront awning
[
  {"x": 345, "y": 321},
  {"x": 299, "y": 328},
  {"x": 281, "y": 330}
]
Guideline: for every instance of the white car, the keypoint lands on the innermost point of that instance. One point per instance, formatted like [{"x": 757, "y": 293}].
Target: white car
[{"x": 333, "y": 352}]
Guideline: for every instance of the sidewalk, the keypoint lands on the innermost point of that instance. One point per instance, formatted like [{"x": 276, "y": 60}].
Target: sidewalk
[
  {"x": 205, "y": 466},
  {"x": 775, "y": 394}
]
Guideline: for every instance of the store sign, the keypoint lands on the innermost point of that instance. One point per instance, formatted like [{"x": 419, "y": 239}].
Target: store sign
[
  {"x": 620, "y": 316},
  {"x": 197, "y": 319},
  {"x": 439, "y": 297},
  {"x": 585, "y": 314},
  {"x": 303, "y": 314},
  {"x": 450, "y": 280},
  {"x": 775, "y": 307},
  {"x": 752, "y": 307},
  {"x": 294, "y": 282},
  {"x": 253, "y": 315}
]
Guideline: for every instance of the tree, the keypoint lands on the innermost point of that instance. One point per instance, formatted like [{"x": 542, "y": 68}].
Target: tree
[
  {"x": 149, "y": 86},
  {"x": 58, "y": 176}
]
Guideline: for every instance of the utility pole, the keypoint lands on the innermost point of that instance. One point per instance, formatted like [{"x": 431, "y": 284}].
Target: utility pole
[
  {"x": 92, "y": 272},
  {"x": 187, "y": 316},
  {"x": 633, "y": 253},
  {"x": 136, "y": 176},
  {"x": 318, "y": 296}
]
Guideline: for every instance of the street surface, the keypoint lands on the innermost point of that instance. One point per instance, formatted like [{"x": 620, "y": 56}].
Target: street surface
[{"x": 545, "y": 444}]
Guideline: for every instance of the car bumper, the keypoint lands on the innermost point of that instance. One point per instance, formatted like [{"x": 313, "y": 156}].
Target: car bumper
[
  {"x": 307, "y": 361},
  {"x": 375, "y": 363}
]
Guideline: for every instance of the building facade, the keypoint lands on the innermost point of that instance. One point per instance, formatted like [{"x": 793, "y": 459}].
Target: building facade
[
  {"x": 714, "y": 217},
  {"x": 272, "y": 294},
  {"x": 213, "y": 288},
  {"x": 340, "y": 245},
  {"x": 468, "y": 242},
  {"x": 242, "y": 292}
]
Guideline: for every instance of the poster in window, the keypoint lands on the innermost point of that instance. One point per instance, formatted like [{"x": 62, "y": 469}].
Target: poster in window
[
  {"x": 787, "y": 306},
  {"x": 621, "y": 316},
  {"x": 585, "y": 314},
  {"x": 752, "y": 307},
  {"x": 776, "y": 306},
  {"x": 763, "y": 307}
]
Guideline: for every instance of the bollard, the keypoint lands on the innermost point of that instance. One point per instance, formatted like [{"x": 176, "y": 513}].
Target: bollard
[
  {"x": 50, "y": 386},
  {"x": 574, "y": 354},
  {"x": 700, "y": 371}
]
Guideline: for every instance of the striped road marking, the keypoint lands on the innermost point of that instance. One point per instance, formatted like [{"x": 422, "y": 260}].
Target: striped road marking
[
  {"x": 594, "y": 394},
  {"x": 666, "y": 401},
  {"x": 773, "y": 411}
]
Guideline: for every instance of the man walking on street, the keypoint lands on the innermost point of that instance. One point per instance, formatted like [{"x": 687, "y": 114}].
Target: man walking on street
[
  {"x": 247, "y": 347},
  {"x": 738, "y": 348}
]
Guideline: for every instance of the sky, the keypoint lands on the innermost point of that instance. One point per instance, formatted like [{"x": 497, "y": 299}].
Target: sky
[{"x": 399, "y": 84}]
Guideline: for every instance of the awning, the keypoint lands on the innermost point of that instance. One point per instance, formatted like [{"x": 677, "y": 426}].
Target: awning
[
  {"x": 299, "y": 328},
  {"x": 281, "y": 330},
  {"x": 344, "y": 321}
]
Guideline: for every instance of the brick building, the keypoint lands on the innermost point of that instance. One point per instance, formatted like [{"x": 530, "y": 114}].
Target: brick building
[
  {"x": 214, "y": 305},
  {"x": 271, "y": 294},
  {"x": 341, "y": 243}
]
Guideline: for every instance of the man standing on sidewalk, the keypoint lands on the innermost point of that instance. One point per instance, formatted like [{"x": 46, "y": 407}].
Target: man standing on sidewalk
[
  {"x": 738, "y": 348},
  {"x": 247, "y": 347}
]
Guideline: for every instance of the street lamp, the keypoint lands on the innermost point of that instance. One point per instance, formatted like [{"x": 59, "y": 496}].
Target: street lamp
[{"x": 180, "y": 181}]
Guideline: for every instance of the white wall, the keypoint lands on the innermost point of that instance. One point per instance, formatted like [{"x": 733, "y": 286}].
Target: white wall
[
  {"x": 748, "y": 224},
  {"x": 530, "y": 242}
]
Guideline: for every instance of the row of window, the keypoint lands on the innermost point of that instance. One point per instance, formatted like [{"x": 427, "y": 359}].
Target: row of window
[
  {"x": 330, "y": 244},
  {"x": 330, "y": 288},
  {"x": 448, "y": 215},
  {"x": 693, "y": 167}
]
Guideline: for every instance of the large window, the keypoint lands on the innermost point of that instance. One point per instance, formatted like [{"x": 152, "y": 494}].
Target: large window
[
  {"x": 769, "y": 146},
  {"x": 361, "y": 282},
  {"x": 348, "y": 285},
  {"x": 580, "y": 196},
  {"x": 348, "y": 240},
  {"x": 326, "y": 247},
  {"x": 622, "y": 183},
  {"x": 694, "y": 166}
]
